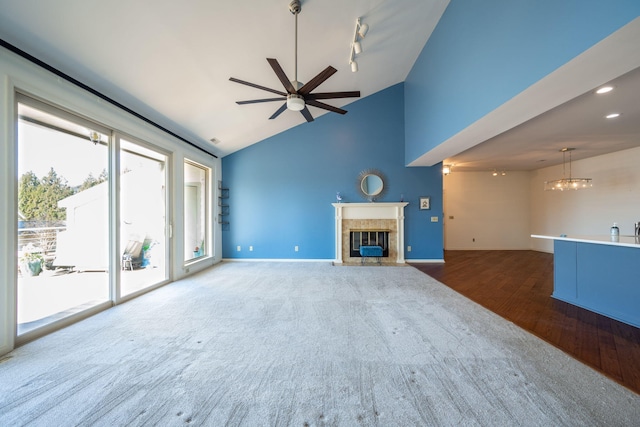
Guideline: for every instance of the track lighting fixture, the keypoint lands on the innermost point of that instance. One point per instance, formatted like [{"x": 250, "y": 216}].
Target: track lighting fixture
[{"x": 356, "y": 46}]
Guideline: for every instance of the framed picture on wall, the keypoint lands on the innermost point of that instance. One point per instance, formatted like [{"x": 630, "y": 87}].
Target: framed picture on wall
[{"x": 425, "y": 203}]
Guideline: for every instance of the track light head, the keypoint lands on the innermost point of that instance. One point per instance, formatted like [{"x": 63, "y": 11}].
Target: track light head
[
  {"x": 354, "y": 67},
  {"x": 363, "y": 28},
  {"x": 357, "y": 48}
]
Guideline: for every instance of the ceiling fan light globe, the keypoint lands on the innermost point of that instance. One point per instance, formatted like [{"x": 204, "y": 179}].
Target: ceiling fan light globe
[{"x": 295, "y": 102}]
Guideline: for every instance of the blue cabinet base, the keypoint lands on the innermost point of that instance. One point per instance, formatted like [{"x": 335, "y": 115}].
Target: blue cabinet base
[{"x": 600, "y": 278}]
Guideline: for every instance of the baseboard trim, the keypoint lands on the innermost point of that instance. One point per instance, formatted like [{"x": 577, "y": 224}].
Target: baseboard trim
[
  {"x": 274, "y": 260},
  {"x": 424, "y": 261}
]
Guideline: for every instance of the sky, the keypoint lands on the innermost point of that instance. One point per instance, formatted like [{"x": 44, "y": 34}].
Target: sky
[{"x": 40, "y": 149}]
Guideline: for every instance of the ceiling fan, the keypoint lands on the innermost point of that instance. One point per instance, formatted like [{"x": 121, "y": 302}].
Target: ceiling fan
[{"x": 298, "y": 96}]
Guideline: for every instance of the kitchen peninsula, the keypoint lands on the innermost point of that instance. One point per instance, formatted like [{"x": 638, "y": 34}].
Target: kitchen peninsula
[{"x": 598, "y": 273}]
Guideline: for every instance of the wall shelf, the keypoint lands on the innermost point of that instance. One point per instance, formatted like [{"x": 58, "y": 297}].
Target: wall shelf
[{"x": 223, "y": 204}]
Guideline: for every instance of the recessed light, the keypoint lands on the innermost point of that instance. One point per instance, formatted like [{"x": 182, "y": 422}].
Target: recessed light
[
  {"x": 604, "y": 89},
  {"x": 612, "y": 115}
]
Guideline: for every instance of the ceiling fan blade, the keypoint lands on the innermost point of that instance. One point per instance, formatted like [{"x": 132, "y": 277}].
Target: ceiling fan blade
[
  {"x": 242, "y": 82},
  {"x": 255, "y": 101},
  {"x": 326, "y": 106},
  {"x": 333, "y": 95},
  {"x": 317, "y": 80},
  {"x": 278, "y": 111},
  {"x": 281, "y": 75},
  {"x": 307, "y": 114}
]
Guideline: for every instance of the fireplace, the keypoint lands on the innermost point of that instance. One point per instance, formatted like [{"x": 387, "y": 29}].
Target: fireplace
[
  {"x": 367, "y": 218},
  {"x": 368, "y": 238}
]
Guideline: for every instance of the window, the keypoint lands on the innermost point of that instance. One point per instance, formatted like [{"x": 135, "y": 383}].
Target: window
[{"x": 196, "y": 211}]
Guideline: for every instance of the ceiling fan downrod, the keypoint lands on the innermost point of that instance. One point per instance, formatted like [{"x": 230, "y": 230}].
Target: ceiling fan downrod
[{"x": 295, "y": 8}]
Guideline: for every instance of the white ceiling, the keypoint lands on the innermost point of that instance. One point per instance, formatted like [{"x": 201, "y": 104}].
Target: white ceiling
[
  {"x": 579, "y": 123},
  {"x": 171, "y": 61}
]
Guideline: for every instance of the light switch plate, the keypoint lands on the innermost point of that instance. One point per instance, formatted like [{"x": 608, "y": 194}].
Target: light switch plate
[{"x": 434, "y": 219}]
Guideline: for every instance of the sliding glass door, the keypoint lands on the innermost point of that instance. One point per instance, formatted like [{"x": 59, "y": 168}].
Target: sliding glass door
[
  {"x": 73, "y": 216},
  {"x": 143, "y": 217},
  {"x": 63, "y": 215}
]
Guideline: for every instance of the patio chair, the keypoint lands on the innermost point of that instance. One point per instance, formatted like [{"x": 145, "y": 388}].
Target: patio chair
[{"x": 132, "y": 255}]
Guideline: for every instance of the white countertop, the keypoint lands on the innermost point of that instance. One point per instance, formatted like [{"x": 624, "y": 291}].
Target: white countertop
[{"x": 603, "y": 239}]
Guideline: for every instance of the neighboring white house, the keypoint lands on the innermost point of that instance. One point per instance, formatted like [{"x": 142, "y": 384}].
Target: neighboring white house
[{"x": 84, "y": 245}]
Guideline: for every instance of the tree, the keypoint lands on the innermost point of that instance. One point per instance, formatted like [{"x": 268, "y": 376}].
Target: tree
[
  {"x": 91, "y": 181},
  {"x": 28, "y": 198},
  {"x": 38, "y": 199}
]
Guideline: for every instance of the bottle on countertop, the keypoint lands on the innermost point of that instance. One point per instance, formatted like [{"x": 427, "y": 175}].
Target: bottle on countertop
[{"x": 615, "y": 231}]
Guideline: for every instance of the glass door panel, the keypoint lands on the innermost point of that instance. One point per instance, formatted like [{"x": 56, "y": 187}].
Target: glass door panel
[
  {"x": 143, "y": 217},
  {"x": 63, "y": 220}
]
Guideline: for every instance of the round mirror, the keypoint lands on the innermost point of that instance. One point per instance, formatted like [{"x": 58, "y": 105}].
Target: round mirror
[{"x": 371, "y": 184}]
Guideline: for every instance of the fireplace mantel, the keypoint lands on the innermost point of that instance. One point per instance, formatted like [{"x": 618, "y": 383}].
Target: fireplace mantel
[{"x": 370, "y": 211}]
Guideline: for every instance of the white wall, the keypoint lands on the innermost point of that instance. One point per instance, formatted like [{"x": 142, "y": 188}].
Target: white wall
[
  {"x": 502, "y": 212},
  {"x": 493, "y": 210},
  {"x": 614, "y": 197}
]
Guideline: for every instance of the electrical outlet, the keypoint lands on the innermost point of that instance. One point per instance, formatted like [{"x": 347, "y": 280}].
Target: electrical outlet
[
  {"x": 434, "y": 219},
  {"x": 295, "y": 248},
  {"x": 238, "y": 248},
  {"x": 408, "y": 248},
  {"x": 250, "y": 248}
]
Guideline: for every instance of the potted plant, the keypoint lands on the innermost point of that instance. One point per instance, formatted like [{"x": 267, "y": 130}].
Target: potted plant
[
  {"x": 199, "y": 250},
  {"x": 31, "y": 263}
]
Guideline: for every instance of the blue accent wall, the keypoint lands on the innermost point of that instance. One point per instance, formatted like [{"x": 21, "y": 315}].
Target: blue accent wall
[
  {"x": 281, "y": 189},
  {"x": 483, "y": 53}
]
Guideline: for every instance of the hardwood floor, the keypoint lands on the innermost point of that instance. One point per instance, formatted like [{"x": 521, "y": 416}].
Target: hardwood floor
[{"x": 517, "y": 285}]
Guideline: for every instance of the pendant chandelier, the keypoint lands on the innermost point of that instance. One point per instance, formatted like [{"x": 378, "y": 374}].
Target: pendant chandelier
[{"x": 567, "y": 183}]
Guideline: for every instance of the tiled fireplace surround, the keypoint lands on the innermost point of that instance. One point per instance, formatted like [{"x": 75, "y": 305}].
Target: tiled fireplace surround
[{"x": 368, "y": 217}]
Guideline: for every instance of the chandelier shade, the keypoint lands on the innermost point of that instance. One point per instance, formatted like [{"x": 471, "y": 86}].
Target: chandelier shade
[{"x": 570, "y": 183}]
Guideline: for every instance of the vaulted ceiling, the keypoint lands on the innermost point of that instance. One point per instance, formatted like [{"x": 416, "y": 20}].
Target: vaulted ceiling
[{"x": 171, "y": 62}]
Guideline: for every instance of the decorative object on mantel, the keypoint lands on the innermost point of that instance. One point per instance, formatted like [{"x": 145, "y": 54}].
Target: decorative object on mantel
[
  {"x": 425, "y": 203},
  {"x": 371, "y": 184},
  {"x": 338, "y": 197},
  {"x": 567, "y": 183}
]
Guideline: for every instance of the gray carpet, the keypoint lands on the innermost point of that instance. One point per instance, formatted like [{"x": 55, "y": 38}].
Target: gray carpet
[{"x": 278, "y": 344}]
